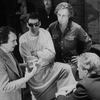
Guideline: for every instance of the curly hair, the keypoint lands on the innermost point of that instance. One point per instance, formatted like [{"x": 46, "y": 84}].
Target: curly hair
[
  {"x": 90, "y": 62},
  {"x": 64, "y": 5}
]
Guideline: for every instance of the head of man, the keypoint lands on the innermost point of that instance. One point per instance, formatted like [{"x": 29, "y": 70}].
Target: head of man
[
  {"x": 8, "y": 38},
  {"x": 88, "y": 65},
  {"x": 64, "y": 11},
  {"x": 47, "y": 3},
  {"x": 34, "y": 23}
]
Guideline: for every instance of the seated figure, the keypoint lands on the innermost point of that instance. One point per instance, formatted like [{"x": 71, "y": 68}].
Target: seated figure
[{"x": 89, "y": 71}]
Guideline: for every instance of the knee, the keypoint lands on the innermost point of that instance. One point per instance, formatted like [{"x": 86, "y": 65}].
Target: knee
[{"x": 67, "y": 67}]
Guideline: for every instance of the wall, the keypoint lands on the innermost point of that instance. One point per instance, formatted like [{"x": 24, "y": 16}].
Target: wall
[
  {"x": 87, "y": 14},
  {"x": 92, "y": 19},
  {"x": 78, "y": 7}
]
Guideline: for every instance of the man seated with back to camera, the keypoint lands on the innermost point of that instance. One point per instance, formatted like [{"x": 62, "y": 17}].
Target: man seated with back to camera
[
  {"x": 88, "y": 88},
  {"x": 36, "y": 48},
  {"x": 67, "y": 35}
]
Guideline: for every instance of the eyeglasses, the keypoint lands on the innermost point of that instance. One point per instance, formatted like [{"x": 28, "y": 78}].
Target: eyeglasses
[{"x": 35, "y": 24}]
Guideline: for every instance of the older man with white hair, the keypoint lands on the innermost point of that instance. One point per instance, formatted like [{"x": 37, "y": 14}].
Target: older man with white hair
[{"x": 89, "y": 71}]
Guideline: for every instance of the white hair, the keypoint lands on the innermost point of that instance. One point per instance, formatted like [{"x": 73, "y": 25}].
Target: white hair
[{"x": 90, "y": 62}]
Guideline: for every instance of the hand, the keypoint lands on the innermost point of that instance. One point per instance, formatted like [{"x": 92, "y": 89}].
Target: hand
[
  {"x": 74, "y": 59},
  {"x": 31, "y": 61},
  {"x": 32, "y": 58},
  {"x": 35, "y": 54},
  {"x": 28, "y": 74},
  {"x": 23, "y": 65}
]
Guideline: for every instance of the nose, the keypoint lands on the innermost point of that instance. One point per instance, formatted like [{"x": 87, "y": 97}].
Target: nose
[
  {"x": 15, "y": 42},
  {"x": 60, "y": 18},
  {"x": 34, "y": 26}
]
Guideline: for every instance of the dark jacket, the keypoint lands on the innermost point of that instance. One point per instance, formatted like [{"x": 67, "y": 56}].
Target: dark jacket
[
  {"x": 73, "y": 41},
  {"x": 87, "y": 89}
]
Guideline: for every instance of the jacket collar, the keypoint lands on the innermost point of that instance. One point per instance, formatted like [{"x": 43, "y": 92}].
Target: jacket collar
[{"x": 8, "y": 61}]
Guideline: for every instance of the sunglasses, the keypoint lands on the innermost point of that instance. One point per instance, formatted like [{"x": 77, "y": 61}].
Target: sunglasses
[{"x": 35, "y": 24}]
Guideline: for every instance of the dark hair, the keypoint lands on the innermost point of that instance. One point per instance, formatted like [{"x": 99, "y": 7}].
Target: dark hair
[
  {"x": 34, "y": 15},
  {"x": 4, "y": 33}
]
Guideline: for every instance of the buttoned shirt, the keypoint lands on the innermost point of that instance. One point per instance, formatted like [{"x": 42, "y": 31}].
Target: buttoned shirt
[{"x": 70, "y": 42}]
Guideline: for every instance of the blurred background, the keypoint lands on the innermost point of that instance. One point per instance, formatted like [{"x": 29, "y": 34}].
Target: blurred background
[{"x": 87, "y": 13}]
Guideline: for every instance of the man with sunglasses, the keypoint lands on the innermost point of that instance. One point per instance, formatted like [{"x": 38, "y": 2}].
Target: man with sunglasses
[{"x": 37, "y": 49}]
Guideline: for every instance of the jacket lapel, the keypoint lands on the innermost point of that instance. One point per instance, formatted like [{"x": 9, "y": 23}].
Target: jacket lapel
[
  {"x": 9, "y": 62},
  {"x": 18, "y": 67}
]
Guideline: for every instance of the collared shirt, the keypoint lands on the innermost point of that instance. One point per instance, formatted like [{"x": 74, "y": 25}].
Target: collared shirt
[{"x": 70, "y": 42}]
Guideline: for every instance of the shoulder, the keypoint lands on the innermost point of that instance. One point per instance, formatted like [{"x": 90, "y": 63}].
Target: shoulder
[
  {"x": 44, "y": 34},
  {"x": 77, "y": 28},
  {"x": 23, "y": 37},
  {"x": 2, "y": 59},
  {"x": 44, "y": 31},
  {"x": 75, "y": 25},
  {"x": 85, "y": 82},
  {"x": 53, "y": 24},
  {"x": 79, "y": 93}
]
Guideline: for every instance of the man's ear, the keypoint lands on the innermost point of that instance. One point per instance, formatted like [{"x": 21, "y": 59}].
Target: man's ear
[
  {"x": 86, "y": 73},
  {"x": 93, "y": 73},
  {"x": 27, "y": 25}
]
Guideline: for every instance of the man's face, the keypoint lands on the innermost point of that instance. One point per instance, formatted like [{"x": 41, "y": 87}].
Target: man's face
[
  {"x": 34, "y": 25},
  {"x": 82, "y": 72},
  {"x": 10, "y": 45},
  {"x": 63, "y": 16},
  {"x": 47, "y": 3}
]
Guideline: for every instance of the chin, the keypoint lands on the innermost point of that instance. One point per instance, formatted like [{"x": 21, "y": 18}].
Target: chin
[
  {"x": 81, "y": 77},
  {"x": 12, "y": 49}
]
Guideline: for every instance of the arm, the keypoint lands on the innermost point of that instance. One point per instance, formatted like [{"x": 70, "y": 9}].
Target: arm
[
  {"x": 7, "y": 83},
  {"x": 46, "y": 51},
  {"x": 79, "y": 94},
  {"x": 84, "y": 37},
  {"x": 24, "y": 49},
  {"x": 23, "y": 65},
  {"x": 84, "y": 44},
  {"x": 47, "y": 54}
]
